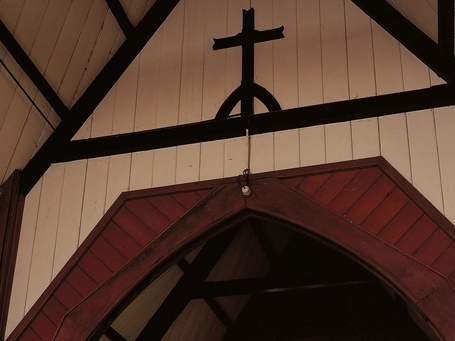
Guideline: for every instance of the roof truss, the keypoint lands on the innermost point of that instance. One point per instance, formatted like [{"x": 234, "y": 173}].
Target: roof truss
[
  {"x": 438, "y": 56},
  {"x": 120, "y": 15},
  {"x": 230, "y": 127},
  {"x": 446, "y": 27},
  {"x": 414, "y": 39}
]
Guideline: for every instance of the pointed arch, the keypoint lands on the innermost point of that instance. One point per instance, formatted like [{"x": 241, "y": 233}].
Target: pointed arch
[{"x": 364, "y": 209}]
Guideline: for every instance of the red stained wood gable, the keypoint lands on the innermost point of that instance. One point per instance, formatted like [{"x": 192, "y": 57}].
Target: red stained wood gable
[
  {"x": 365, "y": 208},
  {"x": 130, "y": 224}
]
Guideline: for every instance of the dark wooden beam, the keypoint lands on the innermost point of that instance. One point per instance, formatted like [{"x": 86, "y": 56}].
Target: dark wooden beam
[
  {"x": 437, "y": 96},
  {"x": 180, "y": 295},
  {"x": 267, "y": 285},
  {"x": 114, "y": 335},
  {"x": 446, "y": 27},
  {"x": 120, "y": 15},
  {"x": 265, "y": 243},
  {"x": 211, "y": 302},
  {"x": 218, "y": 311},
  {"x": 31, "y": 71},
  {"x": 11, "y": 208},
  {"x": 96, "y": 91},
  {"x": 422, "y": 46}
]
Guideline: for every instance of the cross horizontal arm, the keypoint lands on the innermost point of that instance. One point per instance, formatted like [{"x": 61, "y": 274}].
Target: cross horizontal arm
[{"x": 252, "y": 38}]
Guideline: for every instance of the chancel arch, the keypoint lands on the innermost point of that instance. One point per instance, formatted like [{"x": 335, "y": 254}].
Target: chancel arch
[{"x": 363, "y": 209}]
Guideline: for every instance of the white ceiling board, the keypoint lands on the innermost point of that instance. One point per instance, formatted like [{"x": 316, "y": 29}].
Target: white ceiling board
[{"x": 422, "y": 13}]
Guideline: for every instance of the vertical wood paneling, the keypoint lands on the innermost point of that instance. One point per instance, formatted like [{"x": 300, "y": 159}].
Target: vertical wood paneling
[
  {"x": 98, "y": 57},
  {"x": 164, "y": 166},
  {"x": 334, "y": 58},
  {"x": 94, "y": 195},
  {"x": 387, "y": 61},
  {"x": 261, "y": 153},
  {"x": 312, "y": 139},
  {"x": 40, "y": 53},
  {"x": 424, "y": 156},
  {"x": 46, "y": 233},
  {"x": 190, "y": 109},
  {"x": 445, "y": 125},
  {"x": 359, "y": 52},
  {"x": 234, "y": 149},
  {"x": 141, "y": 170},
  {"x": 394, "y": 143},
  {"x": 82, "y": 51},
  {"x": 261, "y": 146},
  {"x": 24, "y": 258},
  {"x": 146, "y": 105},
  {"x": 287, "y": 154},
  {"x": 118, "y": 177},
  {"x": 214, "y": 87},
  {"x": 187, "y": 168},
  {"x": 416, "y": 75},
  {"x": 70, "y": 213},
  {"x": 365, "y": 138},
  {"x": 212, "y": 160},
  {"x": 338, "y": 142},
  {"x": 335, "y": 76}
]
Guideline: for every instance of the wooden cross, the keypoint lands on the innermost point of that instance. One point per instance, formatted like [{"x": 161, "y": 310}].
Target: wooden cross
[{"x": 248, "y": 89}]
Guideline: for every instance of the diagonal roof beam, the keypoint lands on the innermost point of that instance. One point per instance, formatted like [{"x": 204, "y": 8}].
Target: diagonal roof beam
[
  {"x": 31, "y": 71},
  {"x": 446, "y": 27},
  {"x": 97, "y": 90},
  {"x": 120, "y": 15},
  {"x": 410, "y": 36},
  {"x": 180, "y": 295},
  {"x": 436, "y": 96}
]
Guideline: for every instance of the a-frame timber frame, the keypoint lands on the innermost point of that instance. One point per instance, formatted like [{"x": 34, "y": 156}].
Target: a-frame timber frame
[
  {"x": 351, "y": 206},
  {"x": 59, "y": 147}
]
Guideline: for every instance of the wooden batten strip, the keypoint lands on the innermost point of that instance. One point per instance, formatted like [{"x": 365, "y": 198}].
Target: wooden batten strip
[
  {"x": 310, "y": 184},
  {"x": 11, "y": 209},
  {"x": 44, "y": 327},
  {"x": 121, "y": 241},
  {"x": 354, "y": 190},
  {"x": 401, "y": 223},
  {"x": 93, "y": 267},
  {"x": 168, "y": 206},
  {"x": 417, "y": 235},
  {"x": 334, "y": 185},
  {"x": 129, "y": 219},
  {"x": 385, "y": 211},
  {"x": 373, "y": 197},
  {"x": 433, "y": 247},
  {"x": 107, "y": 254}
]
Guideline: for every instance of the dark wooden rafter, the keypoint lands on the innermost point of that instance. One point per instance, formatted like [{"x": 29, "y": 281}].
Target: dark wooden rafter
[
  {"x": 265, "y": 243},
  {"x": 446, "y": 28},
  {"x": 32, "y": 72},
  {"x": 211, "y": 302},
  {"x": 11, "y": 207},
  {"x": 437, "y": 96},
  {"x": 120, "y": 15},
  {"x": 96, "y": 91},
  {"x": 114, "y": 335},
  {"x": 180, "y": 295},
  {"x": 410, "y": 36},
  {"x": 254, "y": 286}
]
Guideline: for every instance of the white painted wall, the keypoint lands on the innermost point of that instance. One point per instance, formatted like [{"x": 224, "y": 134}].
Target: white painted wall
[{"x": 331, "y": 52}]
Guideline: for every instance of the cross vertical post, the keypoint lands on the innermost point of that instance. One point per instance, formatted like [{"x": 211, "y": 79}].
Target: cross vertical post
[{"x": 246, "y": 39}]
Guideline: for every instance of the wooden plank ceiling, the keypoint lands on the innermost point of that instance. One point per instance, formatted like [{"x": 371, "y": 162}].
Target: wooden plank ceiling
[
  {"x": 58, "y": 49},
  {"x": 222, "y": 288}
]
